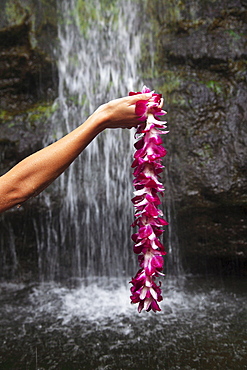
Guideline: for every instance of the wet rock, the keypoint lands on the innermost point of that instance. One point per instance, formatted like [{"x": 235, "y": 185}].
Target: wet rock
[
  {"x": 28, "y": 86},
  {"x": 201, "y": 54},
  {"x": 27, "y": 75},
  {"x": 200, "y": 67}
]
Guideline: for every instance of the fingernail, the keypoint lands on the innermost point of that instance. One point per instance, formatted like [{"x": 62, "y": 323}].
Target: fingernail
[{"x": 149, "y": 95}]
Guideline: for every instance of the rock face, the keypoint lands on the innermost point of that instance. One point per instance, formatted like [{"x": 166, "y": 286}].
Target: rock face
[
  {"x": 201, "y": 58},
  {"x": 28, "y": 86},
  {"x": 28, "y": 78},
  {"x": 26, "y": 74},
  {"x": 200, "y": 67}
]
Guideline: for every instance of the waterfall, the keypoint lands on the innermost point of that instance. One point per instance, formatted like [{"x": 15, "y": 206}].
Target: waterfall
[
  {"x": 82, "y": 226},
  {"x": 89, "y": 232},
  {"x": 98, "y": 60}
]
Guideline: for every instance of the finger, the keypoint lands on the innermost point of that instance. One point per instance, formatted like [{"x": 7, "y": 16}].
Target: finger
[{"x": 136, "y": 98}]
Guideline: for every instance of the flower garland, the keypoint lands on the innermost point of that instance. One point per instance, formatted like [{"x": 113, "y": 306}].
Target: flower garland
[{"x": 148, "y": 218}]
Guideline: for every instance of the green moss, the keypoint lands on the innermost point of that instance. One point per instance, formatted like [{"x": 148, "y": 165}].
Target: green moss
[
  {"x": 49, "y": 10},
  {"x": 234, "y": 35},
  {"x": 87, "y": 12},
  {"x": 15, "y": 12},
  {"x": 170, "y": 88},
  {"x": 164, "y": 13},
  {"x": 205, "y": 153},
  {"x": 40, "y": 112},
  {"x": 208, "y": 149},
  {"x": 39, "y": 17},
  {"x": 4, "y": 115},
  {"x": 172, "y": 81},
  {"x": 173, "y": 10},
  {"x": 35, "y": 114},
  {"x": 215, "y": 86},
  {"x": 162, "y": 19}
]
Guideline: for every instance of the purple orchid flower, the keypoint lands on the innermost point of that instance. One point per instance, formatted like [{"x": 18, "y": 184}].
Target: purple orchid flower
[{"x": 148, "y": 217}]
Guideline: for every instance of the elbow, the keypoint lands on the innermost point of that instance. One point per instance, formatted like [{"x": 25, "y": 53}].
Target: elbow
[
  {"x": 24, "y": 193},
  {"x": 15, "y": 191},
  {"x": 16, "y": 197}
]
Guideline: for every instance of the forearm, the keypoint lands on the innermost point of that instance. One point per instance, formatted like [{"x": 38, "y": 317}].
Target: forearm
[{"x": 33, "y": 174}]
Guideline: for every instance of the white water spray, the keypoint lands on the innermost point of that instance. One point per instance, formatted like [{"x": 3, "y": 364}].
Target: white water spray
[{"x": 96, "y": 64}]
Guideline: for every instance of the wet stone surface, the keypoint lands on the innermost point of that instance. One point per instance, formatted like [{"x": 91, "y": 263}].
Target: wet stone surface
[{"x": 202, "y": 63}]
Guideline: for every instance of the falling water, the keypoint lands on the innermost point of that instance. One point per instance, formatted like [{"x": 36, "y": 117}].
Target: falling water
[
  {"x": 98, "y": 61},
  {"x": 84, "y": 227}
]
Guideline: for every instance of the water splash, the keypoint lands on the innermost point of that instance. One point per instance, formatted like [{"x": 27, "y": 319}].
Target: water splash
[{"x": 50, "y": 325}]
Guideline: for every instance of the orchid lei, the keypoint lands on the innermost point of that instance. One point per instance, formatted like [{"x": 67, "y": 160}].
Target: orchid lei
[{"x": 148, "y": 218}]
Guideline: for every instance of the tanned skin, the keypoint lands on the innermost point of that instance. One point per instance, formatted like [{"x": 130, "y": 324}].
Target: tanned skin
[{"x": 34, "y": 173}]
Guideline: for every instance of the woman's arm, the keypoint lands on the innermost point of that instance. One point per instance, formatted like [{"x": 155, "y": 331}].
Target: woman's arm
[{"x": 33, "y": 174}]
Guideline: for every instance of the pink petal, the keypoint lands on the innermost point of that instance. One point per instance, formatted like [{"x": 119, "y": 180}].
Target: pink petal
[
  {"x": 154, "y": 306},
  {"x": 151, "y": 210},
  {"x": 145, "y": 90},
  {"x": 141, "y": 107},
  {"x": 145, "y": 231}
]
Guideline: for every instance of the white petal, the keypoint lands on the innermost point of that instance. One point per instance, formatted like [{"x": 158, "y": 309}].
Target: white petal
[
  {"x": 153, "y": 293},
  {"x": 147, "y": 303},
  {"x": 143, "y": 293}
]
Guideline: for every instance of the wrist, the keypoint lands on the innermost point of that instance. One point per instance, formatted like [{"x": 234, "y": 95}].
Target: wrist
[{"x": 100, "y": 118}]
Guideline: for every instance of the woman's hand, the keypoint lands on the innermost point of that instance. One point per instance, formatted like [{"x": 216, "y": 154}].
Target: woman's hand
[{"x": 120, "y": 113}]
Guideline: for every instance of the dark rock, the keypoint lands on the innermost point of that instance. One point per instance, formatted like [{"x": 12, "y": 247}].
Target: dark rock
[
  {"x": 201, "y": 54},
  {"x": 27, "y": 75},
  {"x": 28, "y": 86},
  {"x": 201, "y": 71}
]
